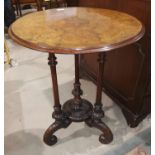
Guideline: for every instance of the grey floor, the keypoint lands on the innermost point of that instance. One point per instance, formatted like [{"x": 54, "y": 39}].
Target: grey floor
[{"x": 29, "y": 104}]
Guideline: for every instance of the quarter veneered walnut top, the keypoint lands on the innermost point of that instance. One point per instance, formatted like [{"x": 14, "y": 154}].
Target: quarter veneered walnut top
[{"x": 76, "y": 30}]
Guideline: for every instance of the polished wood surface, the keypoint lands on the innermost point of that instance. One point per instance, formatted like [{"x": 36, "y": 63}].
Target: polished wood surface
[{"x": 76, "y": 30}]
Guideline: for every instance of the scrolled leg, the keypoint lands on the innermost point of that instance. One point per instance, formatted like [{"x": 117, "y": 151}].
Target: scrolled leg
[
  {"x": 61, "y": 121},
  {"x": 106, "y": 137},
  {"x": 51, "y": 139}
]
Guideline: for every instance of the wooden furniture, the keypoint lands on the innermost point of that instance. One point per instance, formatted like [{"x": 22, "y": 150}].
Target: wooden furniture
[
  {"x": 18, "y": 3},
  {"x": 77, "y": 31},
  {"x": 39, "y": 4},
  {"x": 130, "y": 63}
]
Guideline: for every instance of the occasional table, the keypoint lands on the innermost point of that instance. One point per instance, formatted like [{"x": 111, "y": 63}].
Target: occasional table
[{"x": 77, "y": 30}]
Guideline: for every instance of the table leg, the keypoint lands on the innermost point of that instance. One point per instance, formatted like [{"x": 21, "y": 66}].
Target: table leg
[
  {"x": 77, "y": 92},
  {"x": 61, "y": 121},
  {"x": 98, "y": 112},
  {"x": 106, "y": 137}
]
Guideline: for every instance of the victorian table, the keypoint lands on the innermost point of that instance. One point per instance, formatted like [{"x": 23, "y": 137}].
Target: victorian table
[{"x": 76, "y": 31}]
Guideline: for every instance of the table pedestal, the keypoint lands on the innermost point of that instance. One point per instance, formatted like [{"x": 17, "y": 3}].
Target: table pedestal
[{"x": 77, "y": 109}]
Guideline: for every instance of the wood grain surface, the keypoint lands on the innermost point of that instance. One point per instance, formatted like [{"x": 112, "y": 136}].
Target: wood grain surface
[{"x": 76, "y": 30}]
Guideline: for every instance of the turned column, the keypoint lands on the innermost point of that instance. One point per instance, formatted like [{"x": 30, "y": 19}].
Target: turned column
[
  {"x": 77, "y": 92},
  {"x": 98, "y": 112},
  {"x": 57, "y": 114},
  {"x": 106, "y": 137},
  {"x": 60, "y": 119}
]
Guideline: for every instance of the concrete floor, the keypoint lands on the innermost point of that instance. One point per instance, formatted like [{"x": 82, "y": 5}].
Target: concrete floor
[{"x": 29, "y": 104}]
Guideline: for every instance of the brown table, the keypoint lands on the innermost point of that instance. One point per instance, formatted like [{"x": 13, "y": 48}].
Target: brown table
[{"x": 77, "y": 31}]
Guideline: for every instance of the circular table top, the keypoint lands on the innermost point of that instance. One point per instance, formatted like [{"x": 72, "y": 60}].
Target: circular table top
[{"x": 76, "y": 30}]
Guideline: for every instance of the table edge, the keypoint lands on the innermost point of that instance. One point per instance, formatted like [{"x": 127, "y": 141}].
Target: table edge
[{"x": 57, "y": 50}]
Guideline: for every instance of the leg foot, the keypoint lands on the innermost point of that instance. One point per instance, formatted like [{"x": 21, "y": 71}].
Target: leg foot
[
  {"x": 106, "y": 137},
  {"x": 51, "y": 139}
]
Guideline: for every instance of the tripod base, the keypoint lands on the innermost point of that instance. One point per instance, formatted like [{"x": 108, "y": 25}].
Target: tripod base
[
  {"x": 83, "y": 114},
  {"x": 77, "y": 109}
]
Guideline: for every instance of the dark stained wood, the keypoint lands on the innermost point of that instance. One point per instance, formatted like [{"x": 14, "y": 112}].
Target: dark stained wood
[
  {"x": 77, "y": 92},
  {"x": 77, "y": 109},
  {"x": 60, "y": 120},
  {"x": 95, "y": 121},
  {"x": 52, "y": 62},
  {"x": 101, "y": 61},
  {"x": 106, "y": 137},
  {"x": 127, "y": 70}
]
